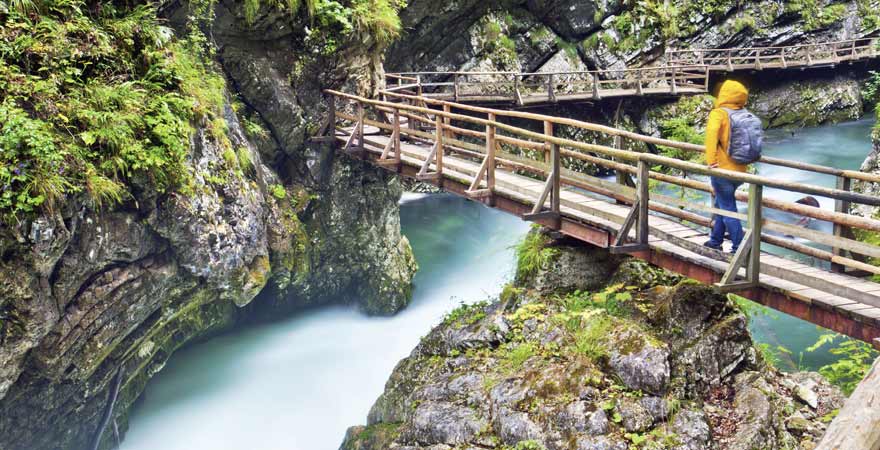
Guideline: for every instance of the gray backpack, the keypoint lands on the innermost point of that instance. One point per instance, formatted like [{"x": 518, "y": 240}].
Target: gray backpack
[{"x": 746, "y": 136}]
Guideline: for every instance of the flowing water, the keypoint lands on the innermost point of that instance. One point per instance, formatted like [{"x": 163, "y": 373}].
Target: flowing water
[{"x": 297, "y": 384}]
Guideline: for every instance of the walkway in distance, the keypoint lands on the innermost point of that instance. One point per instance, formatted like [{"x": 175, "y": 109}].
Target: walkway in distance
[{"x": 685, "y": 71}]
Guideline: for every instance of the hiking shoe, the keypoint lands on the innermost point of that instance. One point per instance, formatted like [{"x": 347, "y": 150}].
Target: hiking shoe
[{"x": 712, "y": 245}]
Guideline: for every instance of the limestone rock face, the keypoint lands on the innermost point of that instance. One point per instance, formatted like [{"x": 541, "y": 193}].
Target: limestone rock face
[
  {"x": 871, "y": 165},
  {"x": 809, "y": 102},
  {"x": 571, "y": 370},
  {"x": 85, "y": 294}
]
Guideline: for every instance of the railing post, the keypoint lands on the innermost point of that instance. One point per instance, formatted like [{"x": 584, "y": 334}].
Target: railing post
[
  {"x": 809, "y": 56},
  {"x": 643, "y": 199},
  {"x": 517, "y": 95},
  {"x": 841, "y": 206},
  {"x": 396, "y": 137},
  {"x": 438, "y": 136},
  {"x": 729, "y": 60},
  {"x": 555, "y": 170},
  {"x": 490, "y": 153},
  {"x": 753, "y": 270},
  {"x": 360, "y": 129},
  {"x": 455, "y": 87},
  {"x": 784, "y": 62},
  {"x": 638, "y": 82},
  {"x": 419, "y": 90},
  {"x": 596, "y": 86},
  {"x": 758, "y": 64},
  {"x": 673, "y": 88},
  {"x": 551, "y": 96}
]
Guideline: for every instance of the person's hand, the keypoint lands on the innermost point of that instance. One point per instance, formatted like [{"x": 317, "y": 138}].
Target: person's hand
[{"x": 713, "y": 166}]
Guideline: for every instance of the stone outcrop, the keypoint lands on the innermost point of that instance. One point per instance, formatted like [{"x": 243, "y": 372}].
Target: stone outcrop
[
  {"x": 87, "y": 294},
  {"x": 631, "y": 363}
]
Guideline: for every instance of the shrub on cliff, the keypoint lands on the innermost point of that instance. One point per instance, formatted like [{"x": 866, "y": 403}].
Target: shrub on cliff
[{"x": 96, "y": 98}]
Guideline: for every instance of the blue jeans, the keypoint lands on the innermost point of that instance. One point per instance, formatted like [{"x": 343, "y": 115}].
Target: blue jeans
[{"x": 725, "y": 199}]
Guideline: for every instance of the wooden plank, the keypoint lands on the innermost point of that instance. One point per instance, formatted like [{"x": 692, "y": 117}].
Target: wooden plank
[{"x": 857, "y": 426}]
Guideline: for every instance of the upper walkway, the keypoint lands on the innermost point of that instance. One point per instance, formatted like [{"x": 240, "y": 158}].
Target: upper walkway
[
  {"x": 526, "y": 169},
  {"x": 685, "y": 71}
]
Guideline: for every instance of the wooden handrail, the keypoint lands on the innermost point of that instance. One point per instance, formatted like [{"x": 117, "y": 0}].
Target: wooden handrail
[
  {"x": 444, "y": 137},
  {"x": 604, "y": 129},
  {"x": 817, "y": 44},
  {"x": 625, "y": 155}
]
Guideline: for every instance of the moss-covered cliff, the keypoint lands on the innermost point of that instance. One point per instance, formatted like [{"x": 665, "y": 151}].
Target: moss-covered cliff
[
  {"x": 587, "y": 351},
  {"x": 158, "y": 185}
]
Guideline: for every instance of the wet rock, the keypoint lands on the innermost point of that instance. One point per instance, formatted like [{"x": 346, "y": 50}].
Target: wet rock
[
  {"x": 597, "y": 423},
  {"x": 646, "y": 369},
  {"x": 599, "y": 443},
  {"x": 657, "y": 407},
  {"x": 808, "y": 103},
  {"x": 575, "y": 268},
  {"x": 444, "y": 423},
  {"x": 513, "y": 427},
  {"x": 635, "y": 417},
  {"x": 692, "y": 430}
]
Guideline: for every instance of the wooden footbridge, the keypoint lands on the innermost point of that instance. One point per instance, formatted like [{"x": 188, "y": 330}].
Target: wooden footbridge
[
  {"x": 527, "y": 169},
  {"x": 685, "y": 71}
]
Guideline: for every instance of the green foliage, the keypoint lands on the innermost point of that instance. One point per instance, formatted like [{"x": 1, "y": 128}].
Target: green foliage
[
  {"x": 856, "y": 358},
  {"x": 513, "y": 356},
  {"x": 529, "y": 445},
  {"x": 94, "y": 102},
  {"x": 591, "y": 340},
  {"x": 680, "y": 129},
  {"x": 871, "y": 89},
  {"x": 244, "y": 160},
  {"x": 466, "y": 314},
  {"x": 278, "y": 191},
  {"x": 533, "y": 254},
  {"x": 611, "y": 300},
  {"x": 814, "y": 15}
]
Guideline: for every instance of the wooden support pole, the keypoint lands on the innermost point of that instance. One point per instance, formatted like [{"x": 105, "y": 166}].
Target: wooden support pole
[
  {"x": 857, "y": 425},
  {"x": 396, "y": 134},
  {"x": 673, "y": 88},
  {"x": 360, "y": 129},
  {"x": 638, "y": 82},
  {"x": 758, "y": 64},
  {"x": 729, "y": 60},
  {"x": 517, "y": 95},
  {"x": 455, "y": 87},
  {"x": 596, "y": 95},
  {"x": 644, "y": 199},
  {"x": 756, "y": 221},
  {"x": 841, "y": 206},
  {"x": 556, "y": 171},
  {"x": 490, "y": 153},
  {"x": 551, "y": 95},
  {"x": 438, "y": 136},
  {"x": 548, "y": 131}
]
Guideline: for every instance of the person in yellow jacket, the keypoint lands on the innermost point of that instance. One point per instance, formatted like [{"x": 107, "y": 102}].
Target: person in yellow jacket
[{"x": 733, "y": 95}]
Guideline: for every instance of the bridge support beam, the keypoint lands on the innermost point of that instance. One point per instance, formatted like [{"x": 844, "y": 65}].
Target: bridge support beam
[
  {"x": 552, "y": 188},
  {"x": 638, "y": 216}
]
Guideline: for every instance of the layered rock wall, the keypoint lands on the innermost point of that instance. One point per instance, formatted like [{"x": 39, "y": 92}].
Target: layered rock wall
[{"x": 86, "y": 294}]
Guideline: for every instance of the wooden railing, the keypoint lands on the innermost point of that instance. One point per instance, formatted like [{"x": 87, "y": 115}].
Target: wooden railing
[
  {"x": 778, "y": 57},
  {"x": 482, "y": 135},
  {"x": 550, "y": 87}
]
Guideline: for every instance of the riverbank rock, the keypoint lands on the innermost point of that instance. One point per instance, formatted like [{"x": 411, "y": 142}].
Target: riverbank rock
[
  {"x": 86, "y": 294},
  {"x": 614, "y": 367},
  {"x": 870, "y": 165}
]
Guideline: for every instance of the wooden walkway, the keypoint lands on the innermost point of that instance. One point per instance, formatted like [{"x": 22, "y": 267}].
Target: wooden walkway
[
  {"x": 470, "y": 151},
  {"x": 685, "y": 71},
  {"x": 824, "y": 54}
]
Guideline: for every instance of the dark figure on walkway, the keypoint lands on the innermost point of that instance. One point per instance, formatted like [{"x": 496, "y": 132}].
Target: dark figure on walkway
[{"x": 733, "y": 141}]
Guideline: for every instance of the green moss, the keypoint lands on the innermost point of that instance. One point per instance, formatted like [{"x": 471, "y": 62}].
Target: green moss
[
  {"x": 814, "y": 15},
  {"x": 93, "y": 101},
  {"x": 466, "y": 314},
  {"x": 533, "y": 254}
]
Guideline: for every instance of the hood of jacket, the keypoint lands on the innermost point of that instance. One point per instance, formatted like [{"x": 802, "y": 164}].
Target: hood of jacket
[{"x": 732, "y": 95}]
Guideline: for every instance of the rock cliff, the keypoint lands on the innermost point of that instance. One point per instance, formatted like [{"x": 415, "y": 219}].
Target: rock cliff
[
  {"x": 269, "y": 223},
  {"x": 621, "y": 356}
]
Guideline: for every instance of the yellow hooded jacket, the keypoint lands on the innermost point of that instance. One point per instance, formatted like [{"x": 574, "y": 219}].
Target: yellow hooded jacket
[{"x": 732, "y": 95}]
